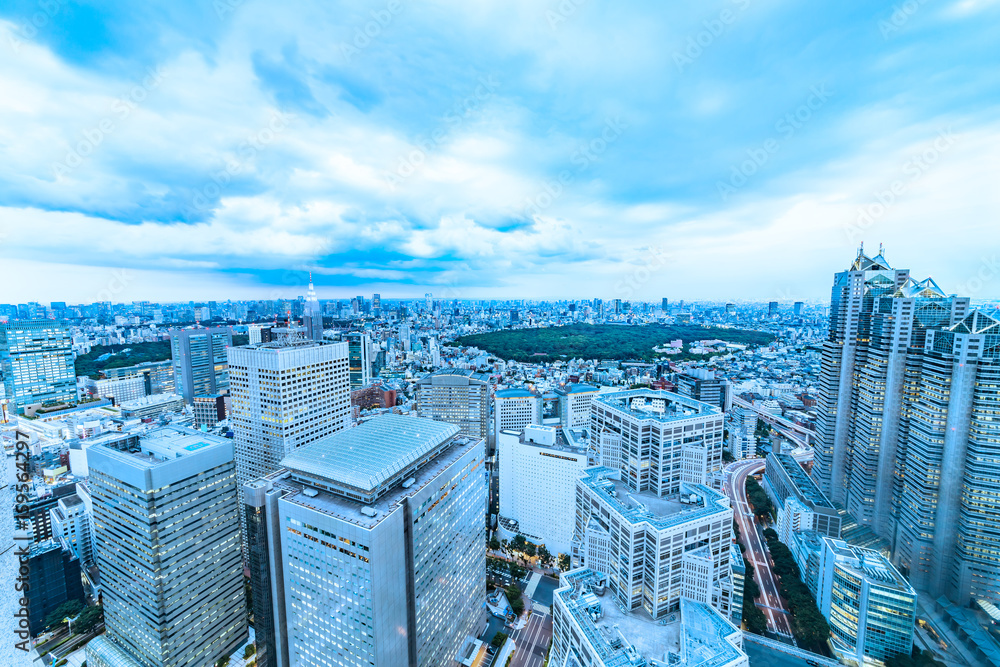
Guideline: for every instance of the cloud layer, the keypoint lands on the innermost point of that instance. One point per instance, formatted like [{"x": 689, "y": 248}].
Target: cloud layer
[{"x": 490, "y": 149}]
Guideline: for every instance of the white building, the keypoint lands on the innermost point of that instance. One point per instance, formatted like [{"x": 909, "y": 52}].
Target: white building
[
  {"x": 538, "y": 473},
  {"x": 742, "y": 433},
  {"x": 284, "y": 395},
  {"x": 71, "y": 523},
  {"x": 456, "y": 396},
  {"x": 370, "y": 548},
  {"x": 574, "y": 404},
  {"x": 120, "y": 391},
  {"x": 513, "y": 409}
]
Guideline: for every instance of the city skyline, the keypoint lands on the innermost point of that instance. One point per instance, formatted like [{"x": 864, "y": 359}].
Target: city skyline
[{"x": 494, "y": 151}]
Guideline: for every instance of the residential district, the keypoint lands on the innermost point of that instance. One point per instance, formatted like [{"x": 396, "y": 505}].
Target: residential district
[{"x": 388, "y": 483}]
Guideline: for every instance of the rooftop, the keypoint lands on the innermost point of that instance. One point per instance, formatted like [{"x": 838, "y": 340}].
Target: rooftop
[
  {"x": 659, "y": 405},
  {"x": 301, "y": 492},
  {"x": 563, "y": 442},
  {"x": 868, "y": 564},
  {"x": 470, "y": 375},
  {"x": 803, "y": 482},
  {"x": 368, "y": 458},
  {"x": 576, "y": 388},
  {"x": 155, "y": 447},
  {"x": 516, "y": 392}
]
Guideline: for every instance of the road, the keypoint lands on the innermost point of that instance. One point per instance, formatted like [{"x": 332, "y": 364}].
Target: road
[
  {"x": 770, "y": 600},
  {"x": 532, "y": 641}
]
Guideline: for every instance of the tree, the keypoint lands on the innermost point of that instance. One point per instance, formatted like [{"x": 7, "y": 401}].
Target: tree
[
  {"x": 70, "y": 608},
  {"x": 494, "y": 543},
  {"x": 530, "y": 550},
  {"x": 516, "y": 571},
  {"x": 514, "y": 597},
  {"x": 564, "y": 562},
  {"x": 498, "y": 639},
  {"x": 519, "y": 543},
  {"x": 544, "y": 556},
  {"x": 88, "y": 619},
  {"x": 222, "y": 662},
  {"x": 770, "y": 534},
  {"x": 249, "y": 650}
]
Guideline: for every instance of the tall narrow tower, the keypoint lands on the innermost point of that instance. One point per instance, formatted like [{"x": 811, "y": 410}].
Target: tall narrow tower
[{"x": 313, "y": 315}]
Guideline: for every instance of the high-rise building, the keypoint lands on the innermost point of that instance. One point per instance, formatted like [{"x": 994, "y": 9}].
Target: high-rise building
[
  {"x": 456, "y": 396},
  {"x": 312, "y": 314},
  {"x": 36, "y": 361},
  {"x": 199, "y": 357},
  {"x": 742, "y": 424},
  {"x": 797, "y": 308},
  {"x": 515, "y": 408},
  {"x": 658, "y": 439},
  {"x": 359, "y": 347},
  {"x": 53, "y": 578},
  {"x": 574, "y": 404},
  {"x": 167, "y": 539},
  {"x": 702, "y": 385},
  {"x": 870, "y": 607},
  {"x": 71, "y": 523},
  {"x": 539, "y": 468},
  {"x": 157, "y": 376},
  {"x": 285, "y": 394},
  {"x": 665, "y": 305},
  {"x": 369, "y": 547},
  {"x": 377, "y": 305},
  {"x": 772, "y": 308}
]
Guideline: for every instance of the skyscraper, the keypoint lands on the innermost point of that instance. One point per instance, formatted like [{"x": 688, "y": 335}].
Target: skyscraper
[
  {"x": 456, "y": 396},
  {"x": 370, "y": 547},
  {"x": 377, "y": 305},
  {"x": 359, "y": 353},
  {"x": 200, "y": 360},
  {"x": 312, "y": 315},
  {"x": 285, "y": 394},
  {"x": 167, "y": 540},
  {"x": 772, "y": 308},
  {"x": 36, "y": 361}
]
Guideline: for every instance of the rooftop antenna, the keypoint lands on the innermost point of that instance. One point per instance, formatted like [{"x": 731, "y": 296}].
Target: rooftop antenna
[{"x": 881, "y": 249}]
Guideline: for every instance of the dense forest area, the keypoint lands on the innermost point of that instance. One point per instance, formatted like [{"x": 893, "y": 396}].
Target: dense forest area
[
  {"x": 91, "y": 364},
  {"x": 602, "y": 341}
]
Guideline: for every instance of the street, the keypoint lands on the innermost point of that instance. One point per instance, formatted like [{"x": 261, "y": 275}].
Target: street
[
  {"x": 532, "y": 641},
  {"x": 770, "y": 601}
]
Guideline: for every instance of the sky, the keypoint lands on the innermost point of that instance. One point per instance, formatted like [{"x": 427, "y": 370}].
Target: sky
[{"x": 724, "y": 150}]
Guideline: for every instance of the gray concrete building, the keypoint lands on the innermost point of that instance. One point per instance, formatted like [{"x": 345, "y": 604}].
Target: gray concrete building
[
  {"x": 456, "y": 396},
  {"x": 200, "y": 360},
  {"x": 167, "y": 540},
  {"x": 784, "y": 478},
  {"x": 369, "y": 547}
]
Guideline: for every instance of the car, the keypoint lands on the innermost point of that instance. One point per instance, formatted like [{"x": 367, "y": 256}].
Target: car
[{"x": 812, "y": 663}]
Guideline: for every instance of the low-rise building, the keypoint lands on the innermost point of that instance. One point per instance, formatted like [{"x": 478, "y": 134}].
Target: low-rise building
[
  {"x": 152, "y": 406},
  {"x": 811, "y": 510}
]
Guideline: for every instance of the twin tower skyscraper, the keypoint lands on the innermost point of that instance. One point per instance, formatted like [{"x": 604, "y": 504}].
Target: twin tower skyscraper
[{"x": 909, "y": 425}]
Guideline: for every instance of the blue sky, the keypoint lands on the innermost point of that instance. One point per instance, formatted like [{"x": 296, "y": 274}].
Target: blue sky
[{"x": 739, "y": 149}]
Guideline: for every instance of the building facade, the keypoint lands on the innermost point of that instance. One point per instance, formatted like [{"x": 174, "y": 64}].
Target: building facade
[
  {"x": 574, "y": 404},
  {"x": 200, "y": 360},
  {"x": 539, "y": 469},
  {"x": 373, "y": 547},
  {"x": 37, "y": 363},
  {"x": 800, "y": 502},
  {"x": 167, "y": 538},
  {"x": 514, "y": 409},
  {"x": 456, "y": 396}
]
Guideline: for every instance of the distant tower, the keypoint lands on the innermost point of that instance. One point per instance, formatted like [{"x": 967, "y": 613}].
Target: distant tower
[{"x": 313, "y": 315}]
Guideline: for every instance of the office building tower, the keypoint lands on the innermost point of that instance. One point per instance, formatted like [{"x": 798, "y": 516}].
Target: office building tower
[
  {"x": 946, "y": 504},
  {"x": 772, "y": 309},
  {"x": 640, "y": 541},
  {"x": 37, "y": 363},
  {"x": 616, "y": 306},
  {"x": 119, "y": 391},
  {"x": 70, "y": 523},
  {"x": 658, "y": 439},
  {"x": 53, "y": 578},
  {"x": 312, "y": 315},
  {"x": 428, "y": 300},
  {"x": 254, "y": 332},
  {"x": 152, "y": 406},
  {"x": 456, "y": 396},
  {"x": 739, "y": 569},
  {"x": 797, "y": 308},
  {"x": 730, "y": 309},
  {"x": 800, "y": 502},
  {"x": 665, "y": 305},
  {"x": 167, "y": 538},
  {"x": 285, "y": 394},
  {"x": 539, "y": 468},
  {"x": 41, "y": 501},
  {"x": 515, "y": 408},
  {"x": 369, "y": 547},
  {"x": 742, "y": 425},
  {"x": 200, "y": 361},
  {"x": 208, "y": 410},
  {"x": 360, "y": 355},
  {"x": 702, "y": 385},
  {"x": 574, "y": 404},
  {"x": 870, "y": 607},
  {"x": 376, "y": 305},
  {"x": 515, "y": 315}
]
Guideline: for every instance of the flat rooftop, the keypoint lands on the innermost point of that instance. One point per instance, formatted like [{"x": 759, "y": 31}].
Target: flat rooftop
[
  {"x": 569, "y": 444},
  {"x": 657, "y": 405},
  {"x": 349, "y": 510},
  {"x": 371, "y": 456},
  {"x": 160, "y": 445}
]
